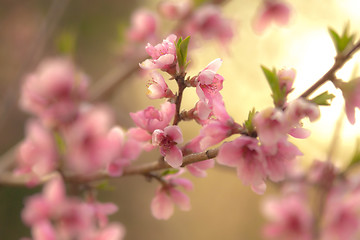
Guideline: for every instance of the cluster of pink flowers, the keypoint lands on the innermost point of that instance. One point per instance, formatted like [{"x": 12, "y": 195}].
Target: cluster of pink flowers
[
  {"x": 337, "y": 217},
  {"x": 270, "y": 153},
  {"x": 68, "y": 133},
  {"x": 69, "y": 136},
  {"x": 52, "y": 215}
]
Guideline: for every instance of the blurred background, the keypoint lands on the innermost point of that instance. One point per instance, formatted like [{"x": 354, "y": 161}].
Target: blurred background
[{"x": 222, "y": 208}]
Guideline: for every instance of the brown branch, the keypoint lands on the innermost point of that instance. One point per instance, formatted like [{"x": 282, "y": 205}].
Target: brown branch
[
  {"x": 144, "y": 169},
  {"x": 182, "y": 86},
  {"x": 340, "y": 60}
]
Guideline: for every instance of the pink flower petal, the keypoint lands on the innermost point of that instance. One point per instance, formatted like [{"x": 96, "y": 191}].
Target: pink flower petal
[
  {"x": 174, "y": 132},
  {"x": 174, "y": 157},
  {"x": 180, "y": 199},
  {"x": 162, "y": 207}
]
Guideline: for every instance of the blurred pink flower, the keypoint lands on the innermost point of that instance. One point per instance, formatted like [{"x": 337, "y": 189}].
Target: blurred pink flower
[
  {"x": 162, "y": 205},
  {"x": 54, "y": 91},
  {"x": 163, "y": 56},
  {"x": 124, "y": 150},
  {"x": 290, "y": 218},
  {"x": 271, "y": 11},
  {"x": 199, "y": 169},
  {"x": 278, "y": 161},
  {"x": 143, "y": 26},
  {"x": 286, "y": 78},
  {"x": 37, "y": 154},
  {"x": 167, "y": 140},
  {"x": 88, "y": 148},
  {"x": 209, "y": 22},
  {"x": 175, "y": 10},
  {"x": 245, "y": 154},
  {"x": 351, "y": 93},
  {"x": 151, "y": 119}
]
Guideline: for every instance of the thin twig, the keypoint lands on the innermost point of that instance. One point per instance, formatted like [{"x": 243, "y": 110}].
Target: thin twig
[{"x": 340, "y": 60}]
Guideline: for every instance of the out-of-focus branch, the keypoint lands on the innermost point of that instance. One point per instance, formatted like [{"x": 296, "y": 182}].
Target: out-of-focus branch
[
  {"x": 36, "y": 50},
  {"x": 144, "y": 169}
]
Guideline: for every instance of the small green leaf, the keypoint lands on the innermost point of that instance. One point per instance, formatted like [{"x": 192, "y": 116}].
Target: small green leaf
[
  {"x": 278, "y": 94},
  {"x": 342, "y": 42},
  {"x": 66, "y": 42},
  {"x": 181, "y": 51},
  {"x": 169, "y": 172},
  {"x": 248, "y": 123},
  {"x": 323, "y": 99},
  {"x": 105, "y": 186},
  {"x": 60, "y": 143}
]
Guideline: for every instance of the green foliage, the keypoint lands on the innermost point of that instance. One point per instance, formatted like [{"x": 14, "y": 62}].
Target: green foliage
[
  {"x": 278, "y": 94},
  {"x": 323, "y": 99},
  {"x": 181, "y": 51},
  {"x": 105, "y": 186},
  {"x": 342, "y": 42},
  {"x": 60, "y": 143},
  {"x": 248, "y": 123},
  {"x": 169, "y": 172},
  {"x": 66, "y": 43}
]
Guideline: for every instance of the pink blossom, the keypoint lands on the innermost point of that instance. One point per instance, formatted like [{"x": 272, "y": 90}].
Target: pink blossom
[
  {"x": 271, "y": 11},
  {"x": 151, "y": 119},
  {"x": 157, "y": 87},
  {"x": 44, "y": 231},
  {"x": 54, "y": 91},
  {"x": 278, "y": 161},
  {"x": 199, "y": 169},
  {"x": 37, "y": 154},
  {"x": 167, "y": 140},
  {"x": 163, "y": 55},
  {"x": 162, "y": 205},
  {"x": 52, "y": 215},
  {"x": 341, "y": 215},
  {"x": 351, "y": 92},
  {"x": 123, "y": 151},
  {"x": 209, "y": 83},
  {"x": 88, "y": 145},
  {"x": 286, "y": 78},
  {"x": 219, "y": 127},
  {"x": 175, "y": 9},
  {"x": 290, "y": 218},
  {"x": 143, "y": 26},
  {"x": 270, "y": 126},
  {"x": 322, "y": 173},
  {"x": 110, "y": 232},
  {"x": 295, "y": 112},
  {"x": 209, "y": 22},
  {"x": 245, "y": 154}
]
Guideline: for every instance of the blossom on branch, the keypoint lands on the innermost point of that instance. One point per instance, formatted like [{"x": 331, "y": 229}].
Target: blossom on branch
[
  {"x": 245, "y": 154},
  {"x": 143, "y": 26},
  {"x": 351, "y": 93},
  {"x": 54, "y": 91},
  {"x": 157, "y": 87},
  {"x": 162, "y": 205},
  {"x": 167, "y": 140},
  {"x": 163, "y": 56},
  {"x": 37, "y": 154}
]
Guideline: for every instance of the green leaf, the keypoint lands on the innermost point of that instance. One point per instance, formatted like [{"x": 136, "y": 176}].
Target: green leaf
[
  {"x": 169, "y": 172},
  {"x": 105, "y": 186},
  {"x": 323, "y": 99},
  {"x": 60, "y": 143},
  {"x": 66, "y": 42},
  {"x": 278, "y": 94},
  {"x": 342, "y": 42},
  {"x": 181, "y": 51},
  {"x": 248, "y": 123}
]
